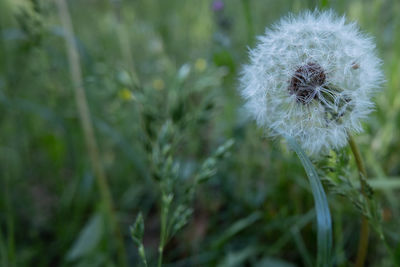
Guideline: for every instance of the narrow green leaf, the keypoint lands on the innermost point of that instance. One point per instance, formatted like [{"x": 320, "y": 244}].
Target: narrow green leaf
[
  {"x": 387, "y": 183},
  {"x": 236, "y": 228},
  {"x": 88, "y": 238},
  {"x": 324, "y": 223},
  {"x": 275, "y": 262},
  {"x": 237, "y": 258}
]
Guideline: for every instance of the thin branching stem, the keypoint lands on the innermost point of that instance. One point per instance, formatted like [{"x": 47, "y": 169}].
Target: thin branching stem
[
  {"x": 364, "y": 232},
  {"x": 87, "y": 125}
]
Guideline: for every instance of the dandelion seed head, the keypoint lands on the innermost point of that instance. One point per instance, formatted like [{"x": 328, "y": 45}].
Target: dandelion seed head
[{"x": 312, "y": 77}]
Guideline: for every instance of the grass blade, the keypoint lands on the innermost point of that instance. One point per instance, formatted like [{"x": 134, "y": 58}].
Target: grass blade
[{"x": 324, "y": 223}]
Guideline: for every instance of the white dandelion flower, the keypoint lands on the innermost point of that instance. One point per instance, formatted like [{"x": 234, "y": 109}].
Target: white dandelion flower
[{"x": 312, "y": 77}]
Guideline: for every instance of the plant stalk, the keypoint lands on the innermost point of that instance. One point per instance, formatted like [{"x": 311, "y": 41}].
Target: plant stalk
[
  {"x": 123, "y": 39},
  {"x": 249, "y": 20},
  {"x": 364, "y": 231},
  {"x": 163, "y": 234},
  {"x": 87, "y": 126}
]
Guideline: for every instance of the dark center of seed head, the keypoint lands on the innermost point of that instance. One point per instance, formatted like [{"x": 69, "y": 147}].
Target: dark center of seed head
[{"x": 305, "y": 80}]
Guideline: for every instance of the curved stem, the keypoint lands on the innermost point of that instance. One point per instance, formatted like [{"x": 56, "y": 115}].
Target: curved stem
[
  {"x": 364, "y": 232},
  {"x": 87, "y": 126}
]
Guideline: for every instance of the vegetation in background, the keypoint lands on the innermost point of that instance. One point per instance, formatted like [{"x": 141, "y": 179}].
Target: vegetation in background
[{"x": 161, "y": 82}]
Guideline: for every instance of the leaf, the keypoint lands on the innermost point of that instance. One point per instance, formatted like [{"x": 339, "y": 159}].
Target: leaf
[
  {"x": 274, "y": 262},
  {"x": 88, "y": 238},
  {"x": 324, "y": 223},
  {"x": 387, "y": 183},
  {"x": 237, "y": 258},
  {"x": 236, "y": 228}
]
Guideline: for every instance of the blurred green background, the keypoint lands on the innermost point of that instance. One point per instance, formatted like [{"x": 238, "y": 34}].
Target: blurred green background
[{"x": 161, "y": 81}]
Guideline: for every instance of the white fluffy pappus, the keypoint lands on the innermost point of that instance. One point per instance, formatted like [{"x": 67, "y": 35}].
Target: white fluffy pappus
[{"x": 312, "y": 77}]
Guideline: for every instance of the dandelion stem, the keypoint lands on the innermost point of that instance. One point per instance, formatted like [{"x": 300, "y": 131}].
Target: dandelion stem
[
  {"x": 364, "y": 232},
  {"x": 87, "y": 126}
]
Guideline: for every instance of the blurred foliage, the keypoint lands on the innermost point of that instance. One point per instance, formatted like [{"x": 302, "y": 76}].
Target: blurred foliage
[{"x": 161, "y": 81}]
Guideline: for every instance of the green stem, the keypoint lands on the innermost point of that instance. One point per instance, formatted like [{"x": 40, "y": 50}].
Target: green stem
[
  {"x": 142, "y": 254},
  {"x": 364, "y": 232},
  {"x": 124, "y": 43},
  {"x": 87, "y": 126},
  {"x": 249, "y": 20},
  {"x": 160, "y": 251},
  {"x": 10, "y": 227},
  {"x": 161, "y": 245},
  {"x": 163, "y": 234}
]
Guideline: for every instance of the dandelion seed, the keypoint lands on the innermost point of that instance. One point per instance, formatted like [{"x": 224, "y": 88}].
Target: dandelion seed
[{"x": 312, "y": 77}]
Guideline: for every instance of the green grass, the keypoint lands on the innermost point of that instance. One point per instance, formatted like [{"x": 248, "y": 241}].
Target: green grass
[{"x": 161, "y": 82}]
